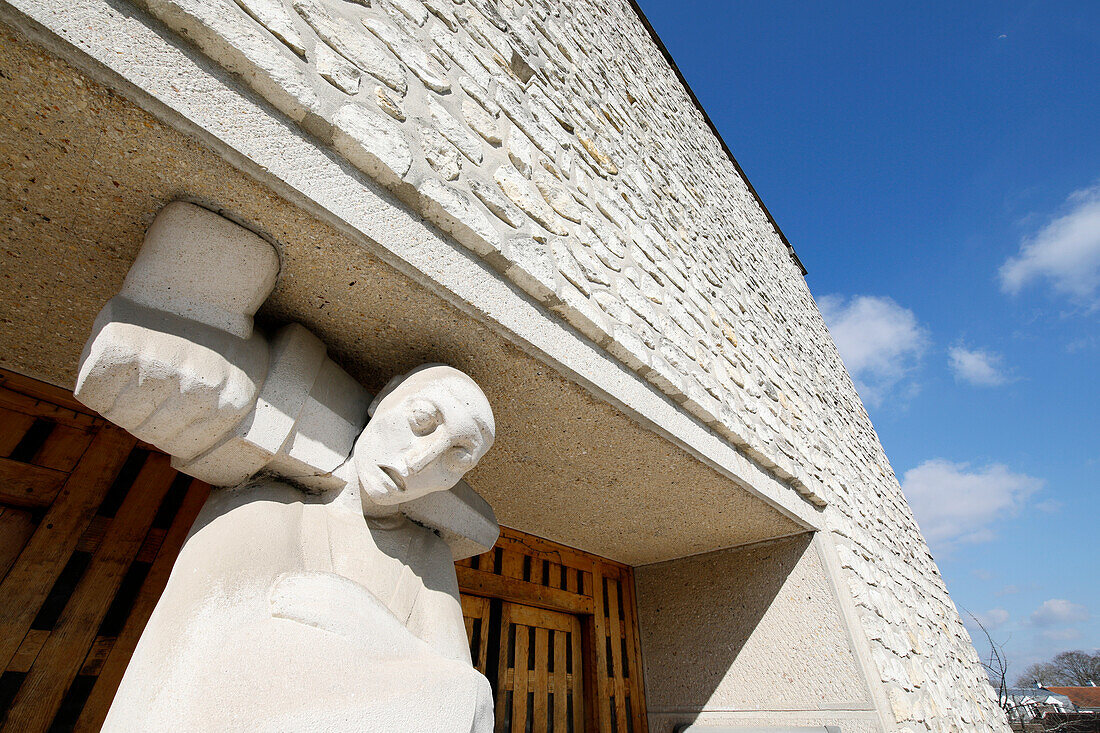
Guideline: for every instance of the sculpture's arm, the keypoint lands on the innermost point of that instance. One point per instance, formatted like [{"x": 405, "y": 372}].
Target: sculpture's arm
[
  {"x": 437, "y": 619},
  {"x": 173, "y": 358},
  {"x": 177, "y": 384},
  {"x": 437, "y": 611}
]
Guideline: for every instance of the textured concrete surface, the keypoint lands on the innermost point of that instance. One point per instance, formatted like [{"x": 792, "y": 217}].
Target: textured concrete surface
[
  {"x": 83, "y": 171},
  {"x": 749, "y": 629}
]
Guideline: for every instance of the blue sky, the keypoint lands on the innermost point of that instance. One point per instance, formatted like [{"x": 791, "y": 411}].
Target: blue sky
[{"x": 937, "y": 167}]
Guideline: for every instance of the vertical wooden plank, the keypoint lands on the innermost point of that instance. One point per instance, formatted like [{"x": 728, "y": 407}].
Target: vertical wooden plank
[
  {"x": 634, "y": 645},
  {"x": 599, "y": 642},
  {"x": 59, "y": 661},
  {"x": 553, "y": 573},
  {"x": 483, "y": 638},
  {"x": 63, "y": 448},
  {"x": 16, "y": 527},
  {"x": 29, "y": 581},
  {"x": 572, "y": 576},
  {"x": 13, "y": 426},
  {"x": 520, "y": 680},
  {"x": 614, "y": 631},
  {"x": 512, "y": 564},
  {"x": 580, "y": 704},
  {"x": 542, "y": 679},
  {"x": 99, "y": 701},
  {"x": 560, "y": 688},
  {"x": 502, "y": 667}
]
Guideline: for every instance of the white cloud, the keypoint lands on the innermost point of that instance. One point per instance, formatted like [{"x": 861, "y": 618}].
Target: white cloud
[
  {"x": 977, "y": 367},
  {"x": 1060, "y": 635},
  {"x": 1059, "y": 612},
  {"x": 1066, "y": 252},
  {"x": 954, "y": 504},
  {"x": 993, "y": 619},
  {"x": 881, "y": 342}
]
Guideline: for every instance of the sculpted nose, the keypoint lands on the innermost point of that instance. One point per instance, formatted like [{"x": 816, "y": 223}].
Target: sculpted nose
[{"x": 436, "y": 445}]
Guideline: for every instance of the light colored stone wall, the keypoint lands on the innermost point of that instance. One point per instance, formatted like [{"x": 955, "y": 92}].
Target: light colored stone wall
[
  {"x": 552, "y": 139},
  {"x": 753, "y": 631}
]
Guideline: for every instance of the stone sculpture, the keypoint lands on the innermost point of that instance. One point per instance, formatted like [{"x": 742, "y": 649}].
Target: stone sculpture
[{"x": 318, "y": 593}]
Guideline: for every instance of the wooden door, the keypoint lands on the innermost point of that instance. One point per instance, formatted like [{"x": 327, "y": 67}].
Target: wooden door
[
  {"x": 540, "y": 683},
  {"x": 529, "y": 603}
]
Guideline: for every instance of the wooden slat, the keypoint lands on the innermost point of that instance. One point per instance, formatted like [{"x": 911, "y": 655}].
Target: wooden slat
[
  {"x": 519, "y": 686},
  {"x": 13, "y": 426},
  {"x": 151, "y": 546},
  {"x": 63, "y": 448},
  {"x": 541, "y": 678},
  {"x": 560, "y": 686},
  {"x": 578, "y": 678},
  {"x": 603, "y": 689},
  {"x": 42, "y": 391},
  {"x": 95, "y": 709},
  {"x": 28, "y": 650},
  {"x": 475, "y": 608},
  {"x": 542, "y": 618},
  {"x": 59, "y": 661},
  {"x": 554, "y": 572},
  {"x": 510, "y": 681},
  {"x": 634, "y": 646},
  {"x": 541, "y": 549},
  {"x": 97, "y": 655},
  {"x": 37, "y": 408},
  {"x": 25, "y": 485},
  {"x": 511, "y": 564},
  {"x": 34, "y": 572},
  {"x": 16, "y": 527},
  {"x": 93, "y": 534},
  {"x": 617, "y": 683},
  {"x": 481, "y": 583},
  {"x": 503, "y": 681}
]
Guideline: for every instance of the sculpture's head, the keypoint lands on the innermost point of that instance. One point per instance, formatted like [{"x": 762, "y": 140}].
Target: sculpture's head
[{"x": 427, "y": 429}]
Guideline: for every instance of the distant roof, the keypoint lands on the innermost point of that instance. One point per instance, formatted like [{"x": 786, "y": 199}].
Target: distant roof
[
  {"x": 1041, "y": 694},
  {"x": 713, "y": 129},
  {"x": 1082, "y": 697}
]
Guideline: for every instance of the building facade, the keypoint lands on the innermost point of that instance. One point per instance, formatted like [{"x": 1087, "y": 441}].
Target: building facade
[{"x": 527, "y": 191}]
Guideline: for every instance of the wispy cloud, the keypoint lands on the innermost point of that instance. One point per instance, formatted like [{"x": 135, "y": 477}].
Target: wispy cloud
[
  {"x": 955, "y": 505},
  {"x": 993, "y": 619},
  {"x": 978, "y": 367},
  {"x": 1065, "y": 253},
  {"x": 880, "y": 341},
  {"x": 1059, "y": 612}
]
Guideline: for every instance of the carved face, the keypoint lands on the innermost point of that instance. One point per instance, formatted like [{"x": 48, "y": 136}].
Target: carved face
[{"x": 423, "y": 435}]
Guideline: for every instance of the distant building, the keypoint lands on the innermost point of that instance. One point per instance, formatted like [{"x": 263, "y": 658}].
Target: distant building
[
  {"x": 1025, "y": 704},
  {"x": 1086, "y": 699}
]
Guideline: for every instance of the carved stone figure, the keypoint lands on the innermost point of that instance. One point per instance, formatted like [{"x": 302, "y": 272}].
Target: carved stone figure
[{"x": 318, "y": 593}]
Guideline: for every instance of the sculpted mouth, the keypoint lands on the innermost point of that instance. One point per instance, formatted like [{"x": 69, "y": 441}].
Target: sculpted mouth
[{"x": 397, "y": 479}]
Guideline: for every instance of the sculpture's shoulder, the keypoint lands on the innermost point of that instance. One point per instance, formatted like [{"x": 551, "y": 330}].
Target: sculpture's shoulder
[{"x": 247, "y": 523}]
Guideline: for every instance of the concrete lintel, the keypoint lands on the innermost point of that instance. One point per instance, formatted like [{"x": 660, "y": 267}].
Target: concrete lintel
[{"x": 188, "y": 92}]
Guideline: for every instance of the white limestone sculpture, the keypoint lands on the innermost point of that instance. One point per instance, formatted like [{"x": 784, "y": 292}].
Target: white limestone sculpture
[{"x": 318, "y": 593}]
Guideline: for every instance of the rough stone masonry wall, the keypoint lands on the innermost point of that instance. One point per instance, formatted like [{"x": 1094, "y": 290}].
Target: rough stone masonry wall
[{"x": 553, "y": 139}]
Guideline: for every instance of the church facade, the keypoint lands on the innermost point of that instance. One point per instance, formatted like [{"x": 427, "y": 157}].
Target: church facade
[{"x": 699, "y": 527}]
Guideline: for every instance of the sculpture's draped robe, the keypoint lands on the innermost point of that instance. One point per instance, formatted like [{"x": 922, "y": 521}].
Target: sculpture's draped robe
[{"x": 286, "y": 615}]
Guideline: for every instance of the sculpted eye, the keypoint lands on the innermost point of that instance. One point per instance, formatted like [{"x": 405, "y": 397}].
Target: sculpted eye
[
  {"x": 460, "y": 459},
  {"x": 424, "y": 417}
]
